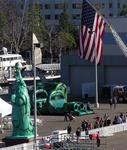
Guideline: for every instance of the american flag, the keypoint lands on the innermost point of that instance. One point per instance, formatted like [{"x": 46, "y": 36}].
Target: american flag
[{"x": 91, "y": 33}]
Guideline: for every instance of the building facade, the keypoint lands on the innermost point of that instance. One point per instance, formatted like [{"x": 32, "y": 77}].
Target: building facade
[
  {"x": 51, "y": 9},
  {"x": 76, "y": 72}
]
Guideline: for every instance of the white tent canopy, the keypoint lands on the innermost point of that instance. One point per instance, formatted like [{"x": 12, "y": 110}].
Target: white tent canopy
[{"x": 5, "y": 108}]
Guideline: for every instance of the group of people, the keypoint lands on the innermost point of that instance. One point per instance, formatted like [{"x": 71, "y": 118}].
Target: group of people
[
  {"x": 121, "y": 118},
  {"x": 99, "y": 122},
  {"x": 68, "y": 116},
  {"x": 103, "y": 121},
  {"x": 84, "y": 127}
]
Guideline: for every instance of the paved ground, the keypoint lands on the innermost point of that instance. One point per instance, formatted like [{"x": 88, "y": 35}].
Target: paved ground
[{"x": 50, "y": 123}]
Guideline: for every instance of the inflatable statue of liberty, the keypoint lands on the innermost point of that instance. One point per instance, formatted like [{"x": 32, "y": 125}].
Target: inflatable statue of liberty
[{"x": 22, "y": 124}]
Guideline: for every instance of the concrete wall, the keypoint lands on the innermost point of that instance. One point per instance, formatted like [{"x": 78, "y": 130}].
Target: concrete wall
[{"x": 75, "y": 72}]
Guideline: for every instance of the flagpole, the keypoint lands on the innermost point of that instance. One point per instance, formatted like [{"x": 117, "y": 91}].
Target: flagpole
[
  {"x": 96, "y": 72},
  {"x": 96, "y": 79}
]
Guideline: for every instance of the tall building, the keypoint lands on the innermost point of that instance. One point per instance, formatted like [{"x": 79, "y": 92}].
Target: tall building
[{"x": 51, "y": 9}]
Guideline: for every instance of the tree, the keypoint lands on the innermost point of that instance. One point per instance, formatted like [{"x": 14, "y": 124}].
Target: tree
[
  {"x": 65, "y": 41},
  {"x": 18, "y": 23},
  {"x": 99, "y": 6},
  {"x": 66, "y": 38},
  {"x": 3, "y": 23},
  {"x": 37, "y": 25},
  {"x": 36, "y": 22},
  {"x": 13, "y": 24},
  {"x": 64, "y": 20},
  {"x": 124, "y": 11}
]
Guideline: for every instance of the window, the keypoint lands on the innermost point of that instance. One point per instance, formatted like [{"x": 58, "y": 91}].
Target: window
[
  {"x": 110, "y": 14},
  {"x": 59, "y": 6},
  {"x": 57, "y": 17},
  {"x": 103, "y": 5},
  {"x": 110, "y": 5},
  {"x": 118, "y": 5},
  {"x": 47, "y": 6},
  {"x": 76, "y": 5},
  {"x": 41, "y": 6},
  {"x": 47, "y": 17},
  {"x": 76, "y": 16}
]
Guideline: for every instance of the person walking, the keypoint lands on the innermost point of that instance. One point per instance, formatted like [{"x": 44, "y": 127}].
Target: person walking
[
  {"x": 83, "y": 125},
  {"x": 98, "y": 139},
  {"x": 78, "y": 133},
  {"x": 115, "y": 95},
  {"x": 65, "y": 116},
  {"x": 69, "y": 129},
  {"x": 115, "y": 101},
  {"x": 110, "y": 103}
]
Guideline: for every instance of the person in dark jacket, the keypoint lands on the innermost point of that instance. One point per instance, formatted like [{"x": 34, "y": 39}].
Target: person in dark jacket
[{"x": 69, "y": 129}]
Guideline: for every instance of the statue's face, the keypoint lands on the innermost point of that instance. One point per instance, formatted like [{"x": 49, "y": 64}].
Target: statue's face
[{"x": 18, "y": 66}]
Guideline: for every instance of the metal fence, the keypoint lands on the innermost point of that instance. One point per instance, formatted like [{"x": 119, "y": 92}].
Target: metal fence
[
  {"x": 72, "y": 143},
  {"x": 68, "y": 143}
]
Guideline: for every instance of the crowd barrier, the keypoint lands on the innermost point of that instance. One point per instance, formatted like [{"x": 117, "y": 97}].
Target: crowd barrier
[
  {"x": 103, "y": 132},
  {"x": 109, "y": 130}
]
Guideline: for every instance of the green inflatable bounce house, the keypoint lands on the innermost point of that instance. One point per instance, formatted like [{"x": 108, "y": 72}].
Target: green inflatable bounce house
[{"x": 51, "y": 99}]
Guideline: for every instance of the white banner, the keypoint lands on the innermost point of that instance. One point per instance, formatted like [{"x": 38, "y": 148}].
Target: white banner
[
  {"x": 5, "y": 108},
  {"x": 119, "y": 41},
  {"x": 38, "y": 53}
]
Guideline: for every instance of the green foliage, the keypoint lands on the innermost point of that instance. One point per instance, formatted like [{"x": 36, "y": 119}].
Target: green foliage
[
  {"x": 13, "y": 26},
  {"x": 16, "y": 28},
  {"x": 36, "y": 21},
  {"x": 124, "y": 11},
  {"x": 3, "y": 27},
  {"x": 66, "y": 39},
  {"x": 64, "y": 20}
]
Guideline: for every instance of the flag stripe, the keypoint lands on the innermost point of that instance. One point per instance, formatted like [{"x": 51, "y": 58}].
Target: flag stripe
[
  {"x": 99, "y": 40},
  {"x": 91, "y": 33},
  {"x": 86, "y": 36}
]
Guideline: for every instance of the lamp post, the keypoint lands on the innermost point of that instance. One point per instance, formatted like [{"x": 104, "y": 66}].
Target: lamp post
[
  {"x": 34, "y": 46},
  {"x": 50, "y": 42}
]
